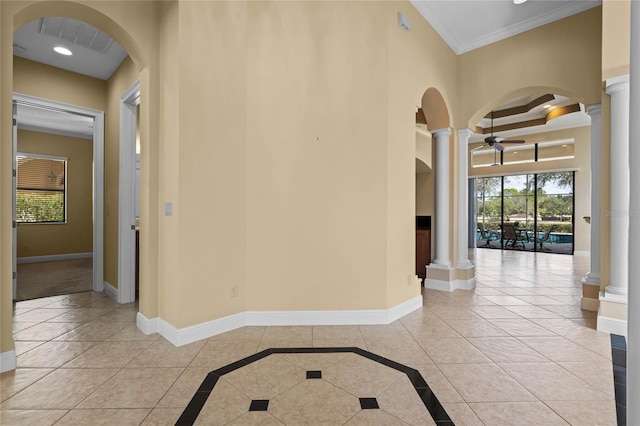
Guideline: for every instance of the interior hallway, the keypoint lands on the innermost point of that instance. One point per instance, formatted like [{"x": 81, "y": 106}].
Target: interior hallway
[{"x": 517, "y": 350}]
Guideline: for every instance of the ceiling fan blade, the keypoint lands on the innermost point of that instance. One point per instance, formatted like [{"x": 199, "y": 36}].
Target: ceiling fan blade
[{"x": 512, "y": 141}]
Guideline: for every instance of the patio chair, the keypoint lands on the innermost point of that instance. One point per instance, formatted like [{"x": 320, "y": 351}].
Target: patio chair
[
  {"x": 487, "y": 236},
  {"x": 545, "y": 237},
  {"x": 511, "y": 236}
]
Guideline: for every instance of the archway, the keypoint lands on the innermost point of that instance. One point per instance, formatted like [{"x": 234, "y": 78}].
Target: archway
[
  {"x": 441, "y": 272},
  {"x": 545, "y": 118},
  {"x": 109, "y": 19}
]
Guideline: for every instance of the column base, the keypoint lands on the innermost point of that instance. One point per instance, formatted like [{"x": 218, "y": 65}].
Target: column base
[
  {"x": 612, "y": 313},
  {"x": 445, "y": 278},
  {"x": 590, "y": 297}
]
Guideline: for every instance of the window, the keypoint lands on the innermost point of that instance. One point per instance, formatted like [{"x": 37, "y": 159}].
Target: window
[
  {"x": 556, "y": 150},
  {"x": 540, "y": 206},
  {"x": 560, "y": 149},
  {"x": 41, "y": 189}
]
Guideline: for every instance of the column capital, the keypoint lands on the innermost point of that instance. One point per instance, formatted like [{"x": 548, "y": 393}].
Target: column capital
[
  {"x": 617, "y": 84},
  {"x": 444, "y": 131},
  {"x": 465, "y": 133},
  {"x": 594, "y": 109}
]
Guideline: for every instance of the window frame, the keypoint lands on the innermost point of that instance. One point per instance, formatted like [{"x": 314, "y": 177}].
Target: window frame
[{"x": 64, "y": 191}]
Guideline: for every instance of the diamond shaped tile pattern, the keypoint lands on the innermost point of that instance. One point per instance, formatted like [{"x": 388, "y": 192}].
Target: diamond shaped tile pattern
[
  {"x": 314, "y": 402},
  {"x": 350, "y": 380}
]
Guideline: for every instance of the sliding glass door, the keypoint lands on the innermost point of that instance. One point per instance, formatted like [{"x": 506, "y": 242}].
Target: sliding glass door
[
  {"x": 555, "y": 206},
  {"x": 532, "y": 212}
]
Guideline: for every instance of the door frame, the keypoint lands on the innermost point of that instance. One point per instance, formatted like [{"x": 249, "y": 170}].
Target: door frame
[
  {"x": 98, "y": 175},
  {"x": 14, "y": 223},
  {"x": 129, "y": 102}
]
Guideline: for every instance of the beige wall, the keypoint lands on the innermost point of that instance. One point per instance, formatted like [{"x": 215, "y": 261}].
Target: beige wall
[
  {"x": 615, "y": 40},
  {"x": 563, "y": 57},
  {"x": 210, "y": 194},
  {"x": 74, "y": 236},
  {"x": 289, "y": 149},
  {"x": 44, "y": 81},
  {"x": 169, "y": 234}
]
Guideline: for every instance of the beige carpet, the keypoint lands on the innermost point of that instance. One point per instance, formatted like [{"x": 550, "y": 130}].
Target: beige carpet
[{"x": 43, "y": 279}]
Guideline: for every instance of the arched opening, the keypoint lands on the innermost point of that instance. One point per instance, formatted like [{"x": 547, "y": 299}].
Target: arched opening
[
  {"x": 431, "y": 117},
  {"x": 81, "y": 21},
  {"x": 529, "y": 161}
]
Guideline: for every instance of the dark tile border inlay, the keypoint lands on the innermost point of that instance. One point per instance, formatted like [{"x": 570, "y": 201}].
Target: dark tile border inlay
[
  {"x": 314, "y": 374},
  {"x": 619, "y": 361},
  {"x": 369, "y": 403},
  {"x": 438, "y": 413},
  {"x": 259, "y": 405}
]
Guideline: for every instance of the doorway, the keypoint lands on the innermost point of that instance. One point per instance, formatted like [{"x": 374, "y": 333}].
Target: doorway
[
  {"x": 129, "y": 198},
  {"x": 96, "y": 118}
]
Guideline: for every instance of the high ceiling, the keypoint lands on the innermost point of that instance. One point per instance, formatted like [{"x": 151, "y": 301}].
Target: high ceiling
[
  {"x": 464, "y": 24},
  {"x": 468, "y": 24}
]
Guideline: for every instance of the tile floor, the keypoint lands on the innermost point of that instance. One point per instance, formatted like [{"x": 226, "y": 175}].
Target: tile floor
[{"x": 516, "y": 350}]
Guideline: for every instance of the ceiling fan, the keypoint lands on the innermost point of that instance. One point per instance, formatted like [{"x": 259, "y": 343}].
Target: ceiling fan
[{"x": 497, "y": 141}]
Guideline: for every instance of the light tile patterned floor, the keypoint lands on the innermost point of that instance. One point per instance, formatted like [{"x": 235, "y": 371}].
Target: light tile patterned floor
[{"x": 517, "y": 350}]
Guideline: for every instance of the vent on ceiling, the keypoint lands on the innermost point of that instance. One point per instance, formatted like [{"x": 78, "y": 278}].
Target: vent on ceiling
[{"x": 76, "y": 32}]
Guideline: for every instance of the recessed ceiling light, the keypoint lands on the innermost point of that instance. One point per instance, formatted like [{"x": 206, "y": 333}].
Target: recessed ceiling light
[
  {"x": 547, "y": 106},
  {"x": 63, "y": 51},
  {"x": 519, "y": 1}
]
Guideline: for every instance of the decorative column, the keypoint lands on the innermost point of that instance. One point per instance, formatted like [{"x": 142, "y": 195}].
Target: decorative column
[
  {"x": 440, "y": 274},
  {"x": 618, "y": 89},
  {"x": 463, "y": 200},
  {"x": 592, "y": 279},
  {"x": 612, "y": 312},
  {"x": 441, "y": 137},
  {"x": 633, "y": 315}
]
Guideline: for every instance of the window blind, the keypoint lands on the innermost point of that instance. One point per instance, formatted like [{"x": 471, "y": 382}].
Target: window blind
[{"x": 40, "y": 189}]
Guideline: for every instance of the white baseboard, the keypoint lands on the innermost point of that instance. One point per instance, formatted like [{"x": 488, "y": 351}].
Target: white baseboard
[
  {"x": 404, "y": 308},
  {"x": 581, "y": 253},
  {"x": 469, "y": 284},
  {"x": 186, "y": 335},
  {"x": 7, "y": 361},
  {"x": 54, "y": 257},
  {"x": 146, "y": 325},
  {"x": 612, "y": 325},
  {"x": 111, "y": 291}
]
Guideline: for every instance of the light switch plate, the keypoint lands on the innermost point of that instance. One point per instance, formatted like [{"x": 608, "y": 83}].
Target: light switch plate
[{"x": 168, "y": 209}]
